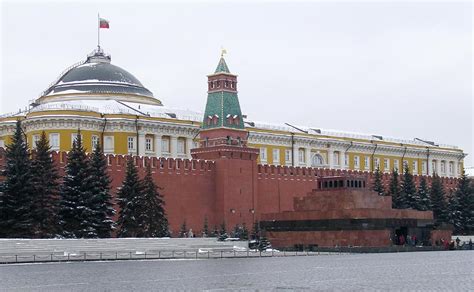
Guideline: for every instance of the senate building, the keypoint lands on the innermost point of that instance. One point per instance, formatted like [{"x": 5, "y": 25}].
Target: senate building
[{"x": 109, "y": 105}]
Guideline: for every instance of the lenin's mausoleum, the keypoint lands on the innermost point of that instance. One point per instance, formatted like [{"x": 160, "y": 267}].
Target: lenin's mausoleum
[{"x": 306, "y": 185}]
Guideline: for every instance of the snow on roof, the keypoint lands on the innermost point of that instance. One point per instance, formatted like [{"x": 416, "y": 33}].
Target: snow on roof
[
  {"x": 337, "y": 133},
  {"x": 115, "y": 107}
]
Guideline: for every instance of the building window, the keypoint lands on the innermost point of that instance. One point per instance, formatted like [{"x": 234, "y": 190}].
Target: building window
[
  {"x": 335, "y": 158},
  {"x": 276, "y": 156},
  {"x": 2, "y": 143},
  {"x": 181, "y": 146},
  {"x": 423, "y": 167},
  {"x": 35, "y": 139},
  {"x": 165, "y": 145},
  {"x": 109, "y": 144},
  {"x": 263, "y": 154},
  {"x": 356, "y": 162},
  {"x": 288, "y": 156},
  {"x": 74, "y": 138},
  {"x": 377, "y": 163},
  {"x": 433, "y": 166},
  {"x": 414, "y": 167},
  {"x": 396, "y": 165},
  {"x": 148, "y": 144},
  {"x": 131, "y": 143},
  {"x": 451, "y": 168},
  {"x": 367, "y": 163},
  {"x": 443, "y": 166},
  {"x": 301, "y": 156},
  {"x": 346, "y": 160},
  {"x": 386, "y": 164},
  {"x": 317, "y": 160},
  {"x": 405, "y": 164},
  {"x": 95, "y": 141}
]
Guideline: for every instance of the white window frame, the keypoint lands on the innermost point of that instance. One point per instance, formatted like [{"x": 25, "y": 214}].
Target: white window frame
[
  {"x": 52, "y": 138},
  {"x": 74, "y": 137},
  {"x": 346, "y": 160},
  {"x": 35, "y": 138},
  {"x": 263, "y": 154},
  {"x": 94, "y": 141},
  {"x": 414, "y": 166},
  {"x": 165, "y": 145},
  {"x": 301, "y": 156},
  {"x": 288, "y": 156},
  {"x": 335, "y": 158},
  {"x": 131, "y": 143},
  {"x": 443, "y": 167},
  {"x": 356, "y": 161},
  {"x": 181, "y": 146},
  {"x": 148, "y": 144},
  {"x": 367, "y": 162},
  {"x": 109, "y": 148},
  {"x": 433, "y": 166},
  {"x": 451, "y": 167},
  {"x": 276, "y": 156},
  {"x": 386, "y": 164},
  {"x": 377, "y": 162},
  {"x": 396, "y": 164},
  {"x": 423, "y": 167},
  {"x": 2, "y": 143}
]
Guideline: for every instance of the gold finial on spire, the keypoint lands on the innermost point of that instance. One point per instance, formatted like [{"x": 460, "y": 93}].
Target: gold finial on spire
[{"x": 223, "y": 52}]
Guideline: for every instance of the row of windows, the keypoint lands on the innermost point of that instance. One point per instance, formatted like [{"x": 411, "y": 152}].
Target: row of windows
[
  {"x": 109, "y": 143},
  {"x": 217, "y": 84},
  {"x": 383, "y": 164}
]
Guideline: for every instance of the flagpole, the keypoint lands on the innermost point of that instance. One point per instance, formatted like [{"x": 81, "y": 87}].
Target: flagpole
[{"x": 98, "y": 31}]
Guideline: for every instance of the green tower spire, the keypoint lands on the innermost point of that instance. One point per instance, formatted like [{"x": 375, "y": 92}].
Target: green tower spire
[{"x": 222, "y": 107}]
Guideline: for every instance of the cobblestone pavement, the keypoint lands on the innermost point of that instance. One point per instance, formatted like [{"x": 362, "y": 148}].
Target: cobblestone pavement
[{"x": 433, "y": 271}]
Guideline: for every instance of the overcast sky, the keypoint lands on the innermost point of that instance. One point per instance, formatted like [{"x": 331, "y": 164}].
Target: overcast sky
[{"x": 395, "y": 69}]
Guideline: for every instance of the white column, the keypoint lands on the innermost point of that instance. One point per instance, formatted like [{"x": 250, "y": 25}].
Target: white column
[
  {"x": 296, "y": 159},
  {"x": 429, "y": 166},
  {"x": 158, "y": 145},
  {"x": 330, "y": 161},
  {"x": 189, "y": 146},
  {"x": 141, "y": 144},
  {"x": 307, "y": 152},
  {"x": 174, "y": 146}
]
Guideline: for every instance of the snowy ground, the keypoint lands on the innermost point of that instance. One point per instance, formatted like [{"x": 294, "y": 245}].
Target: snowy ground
[
  {"x": 62, "y": 249},
  {"x": 417, "y": 271}
]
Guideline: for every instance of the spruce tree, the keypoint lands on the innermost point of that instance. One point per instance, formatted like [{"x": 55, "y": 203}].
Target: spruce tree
[
  {"x": 16, "y": 198},
  {"x": 205, "y": 228},
  {"x": 101, "y": 201},
  {"x": 76, "y": 213},
  {"x": 378, "y": 185},
  {"x": 183, "y": 230},
  {"x": 128, "y": 225},
  {"x": 465, "y": 196},
  {"x": 394, "y": 190},
  {"x": 223, "y": 229},
  {"x": 408, "y": 195},
  {"x": 438, "y": 203},
  {"x": 46, "y": 191},
  {"x": 151, "y": 213},
  {"x": 453, "y": 213},
  {"x": 424, "y": 195}
]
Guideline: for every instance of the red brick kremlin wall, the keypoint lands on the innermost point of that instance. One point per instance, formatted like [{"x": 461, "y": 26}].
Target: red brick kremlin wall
[{"x": 191, "y": 188}]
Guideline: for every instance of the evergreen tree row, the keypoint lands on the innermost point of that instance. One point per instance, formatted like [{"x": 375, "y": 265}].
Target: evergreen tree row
[
  {"x": 141, "y": 206},
  {"x": 36, "y": 203},
  {"x": 457, "y": 208}
]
